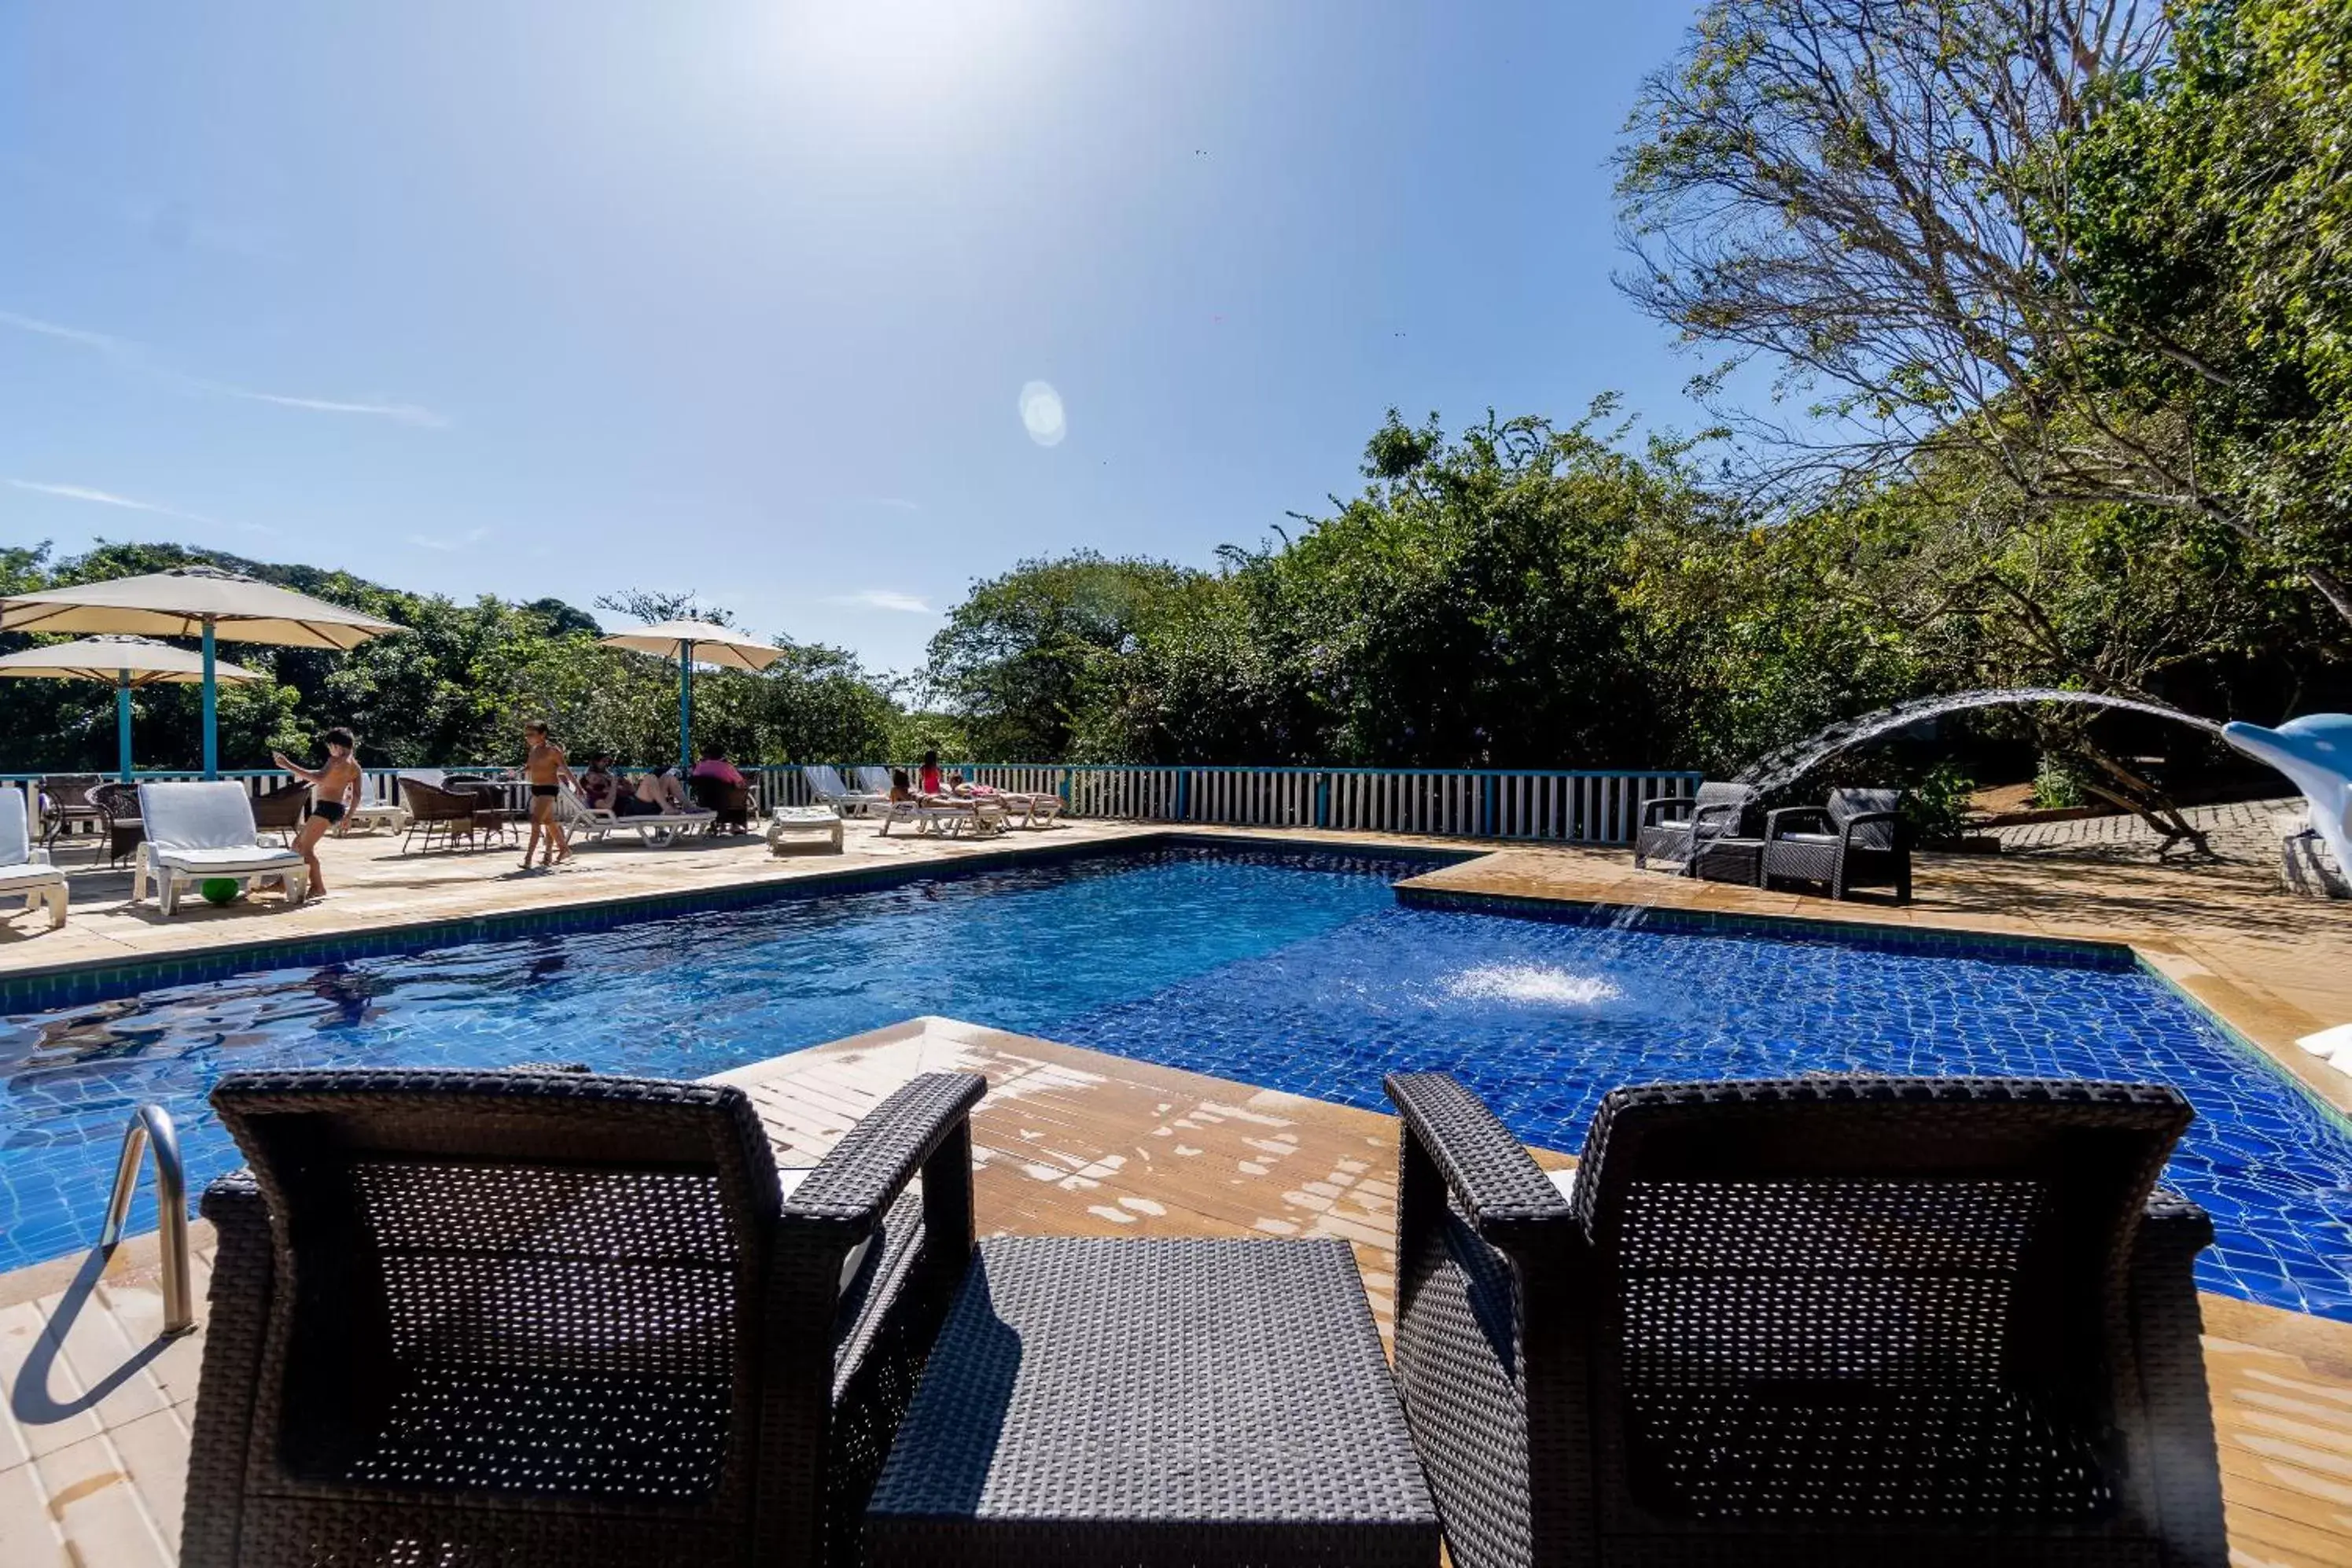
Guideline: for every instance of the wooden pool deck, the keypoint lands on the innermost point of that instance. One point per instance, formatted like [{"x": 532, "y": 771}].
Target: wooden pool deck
[{"x": 94, "y": 1429}]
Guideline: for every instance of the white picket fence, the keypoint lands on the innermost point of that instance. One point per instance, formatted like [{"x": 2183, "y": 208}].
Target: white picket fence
[
  {"x": 1573, "y": 806},
  {"x": 1576, "y": 806}
]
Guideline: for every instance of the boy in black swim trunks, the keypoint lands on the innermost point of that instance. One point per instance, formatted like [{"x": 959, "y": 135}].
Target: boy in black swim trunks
[
  {"x": 333, "y": 788},
  {"x": 545, "y": 772}
]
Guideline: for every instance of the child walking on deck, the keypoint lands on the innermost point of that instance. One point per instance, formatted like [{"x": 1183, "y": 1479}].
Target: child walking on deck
[{"x": 545, "y": 772}]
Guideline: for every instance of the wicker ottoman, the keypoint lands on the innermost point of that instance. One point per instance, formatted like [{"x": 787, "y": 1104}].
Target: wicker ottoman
[{"x": 1154, "y": 1402}]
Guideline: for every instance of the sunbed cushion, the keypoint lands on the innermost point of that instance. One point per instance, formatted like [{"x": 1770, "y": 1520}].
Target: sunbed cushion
[
  {"x": 255, "y": 856},
  {"x": 16, "y": 828},
  {"x": 197, "y": 815}
]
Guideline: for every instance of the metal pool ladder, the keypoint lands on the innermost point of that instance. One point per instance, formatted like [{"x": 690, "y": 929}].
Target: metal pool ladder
[{"x": 151, "y": 1127}]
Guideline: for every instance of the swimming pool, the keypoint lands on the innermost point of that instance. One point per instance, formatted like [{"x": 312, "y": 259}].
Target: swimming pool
[{"x": 1291, "y": 971}]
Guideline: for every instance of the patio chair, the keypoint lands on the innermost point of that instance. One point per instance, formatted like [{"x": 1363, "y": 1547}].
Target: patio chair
[
  {"x": 1858, "y": 839},
  {"x": 824, "y": 783},
  {"x": 24, "y": 866},
  {"x": 548, "y": 1317},
  {"x": 124, "y": 830},
  {"x": 65, "y": 802},
  {"x": 206, "y": 833},
  {"x": 281, "y": 811},
  {"x": 874, "y": 779},
  {"x": 447, "y": 814},
  {"x": 1830, "y": 1320},
  {"x": 585, "y": 824},
  {"x": 1673, "y": 823},
  {"x": 947, "y": 815},
  {"x": 730, "y": 806}
]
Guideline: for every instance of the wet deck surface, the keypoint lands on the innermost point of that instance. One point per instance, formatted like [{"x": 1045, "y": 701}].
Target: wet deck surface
[{"x": 94, "y": 1429}]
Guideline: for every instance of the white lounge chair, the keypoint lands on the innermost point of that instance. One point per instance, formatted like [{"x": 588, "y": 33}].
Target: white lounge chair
[
  {"x": 592, "y": 825},
  {"x": 377, "y": 811},
  {"x": 873, "y": 780},
  {"x": 1034, "y": 810},
  {"x": 945, "y": 816},
  {"x": 24, "y": 864},
  {"x": 202, "y": 832},
  {"x": 824, "y": 783},
  {"x": 786, "y": 823}
]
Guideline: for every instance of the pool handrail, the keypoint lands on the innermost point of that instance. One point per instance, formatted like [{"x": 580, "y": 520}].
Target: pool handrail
[{"x": 151, "y": 1129}]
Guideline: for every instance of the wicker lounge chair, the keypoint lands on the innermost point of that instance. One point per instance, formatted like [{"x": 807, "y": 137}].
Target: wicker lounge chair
[
  {"x": 24, "y": 868},
  {"x": 199, "y": 833},
  {"x": 1858, "y": 841},
  {"x": 542, "y": 1317},
  {"x": 1670, "y": 822},
  {"x": 1920, "y": 1322}
]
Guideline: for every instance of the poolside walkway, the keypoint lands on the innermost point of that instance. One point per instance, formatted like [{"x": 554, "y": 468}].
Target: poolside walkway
[
  {"x": 94, "y": 1429},
  {"x": 375, "y": 888}
]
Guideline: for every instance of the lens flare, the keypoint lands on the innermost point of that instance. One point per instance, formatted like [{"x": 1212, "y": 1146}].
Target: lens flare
[{"x": 1041, "y": 414}]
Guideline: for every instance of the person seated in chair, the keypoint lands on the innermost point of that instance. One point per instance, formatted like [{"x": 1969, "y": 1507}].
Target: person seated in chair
[
  {"x": 715, "y": 765},
  {"x": 597, "y": 785}
]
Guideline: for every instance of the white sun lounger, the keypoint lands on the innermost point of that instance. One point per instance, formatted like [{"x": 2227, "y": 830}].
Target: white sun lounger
[
  {"x": 1034, "y": 810},
  {"x": 936, "y": 815},
  {"x": 786, "y": 823},
  {"x": 593, "y": 824},
  {"x": 824, "y": 783},
  {"x": 873, "y": 780},
  {"x": 24, "y": 866},
  {"x": 202, "y": 832}
]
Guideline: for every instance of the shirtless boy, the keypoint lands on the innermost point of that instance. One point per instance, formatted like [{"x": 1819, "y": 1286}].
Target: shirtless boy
[
  {"x": 545, "y": 772},
  {"x": 333, "y": 788}
]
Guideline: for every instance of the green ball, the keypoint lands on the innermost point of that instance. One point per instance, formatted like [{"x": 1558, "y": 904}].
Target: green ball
[{"x": 219, "y": 889}]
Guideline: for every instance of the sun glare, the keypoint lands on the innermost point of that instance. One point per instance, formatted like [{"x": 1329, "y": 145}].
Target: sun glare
[{"x": 906, "y": 57}]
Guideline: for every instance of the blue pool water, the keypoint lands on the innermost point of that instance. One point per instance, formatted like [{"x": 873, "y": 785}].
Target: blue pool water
[{"x": 1296, "y": 973}]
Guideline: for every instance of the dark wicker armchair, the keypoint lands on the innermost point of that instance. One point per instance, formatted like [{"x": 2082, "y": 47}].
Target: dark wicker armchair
[
  {"x": 281, "y": 810},
  {"x": 1918, "y": 1321},
  {"x": 65, "y": 800},
  {"x": 119, "y": 803},
  {"x": 541, "y": 1317},
  {"x": 1858, "y": 841},
  {"x": 447, "y": 814},
  {"x": 1669, "y": 822},
  {"x": 731, "y": 802}
]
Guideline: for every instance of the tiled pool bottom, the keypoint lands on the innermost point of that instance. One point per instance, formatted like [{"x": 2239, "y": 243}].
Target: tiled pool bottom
[{"x": 1294, "y": 972}]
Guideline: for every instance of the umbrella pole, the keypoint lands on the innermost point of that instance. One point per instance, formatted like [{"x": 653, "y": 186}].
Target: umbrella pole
[
  {"x": 122, "y": 722},
  {"x": 685, "y": 709},
  {"x": 212, "y": 709}
]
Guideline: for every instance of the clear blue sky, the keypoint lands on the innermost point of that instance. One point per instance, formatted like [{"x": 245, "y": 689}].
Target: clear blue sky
[{"x": 563, "y": 297}]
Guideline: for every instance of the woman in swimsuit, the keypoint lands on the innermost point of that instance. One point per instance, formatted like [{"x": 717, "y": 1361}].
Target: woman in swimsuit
[
  {"x": 333, "y": 788},
  {"x": 545, "y": 772}
]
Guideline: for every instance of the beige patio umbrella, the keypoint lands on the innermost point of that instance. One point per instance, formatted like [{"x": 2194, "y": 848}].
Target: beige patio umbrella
[
  {"x": 687, "y": 642},
  {"x": 194, "y": 602},
  {"x": 128, "y": 662}
]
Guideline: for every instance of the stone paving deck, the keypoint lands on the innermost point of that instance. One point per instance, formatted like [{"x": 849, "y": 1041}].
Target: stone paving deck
[
  {"x": 375, "y": 887},
  {"x": 94, "y": 1429}
]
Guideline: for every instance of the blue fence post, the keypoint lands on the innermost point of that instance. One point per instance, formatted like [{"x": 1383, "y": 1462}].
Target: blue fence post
[
  {"x": 1184, "y": 794},
  {"x": 1322, "y": 800},
  {"x": 1486, "y": 805}
]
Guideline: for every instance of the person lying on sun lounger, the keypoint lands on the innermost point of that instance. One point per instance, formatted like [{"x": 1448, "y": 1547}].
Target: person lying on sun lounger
[{"x": 650, "y": 794}]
